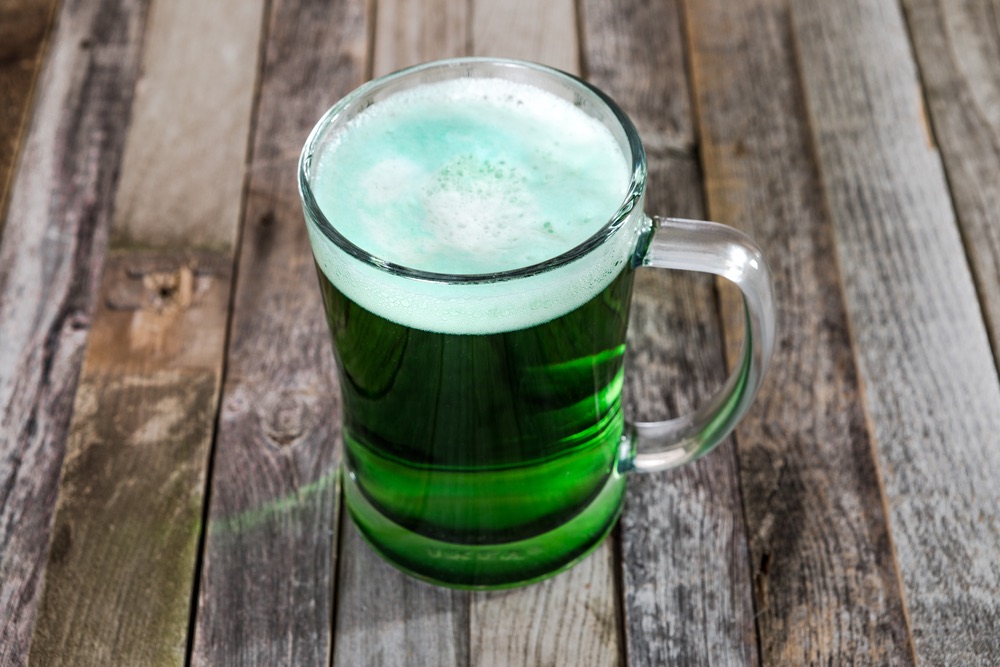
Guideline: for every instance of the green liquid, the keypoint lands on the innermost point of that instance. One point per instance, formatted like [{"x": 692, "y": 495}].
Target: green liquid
[
  {"x": 483, "y": 460},
  {"x": 482, "y": 420}
]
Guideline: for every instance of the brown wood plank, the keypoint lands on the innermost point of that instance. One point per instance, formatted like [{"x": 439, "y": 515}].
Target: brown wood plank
[
  {"x": 932, "y": 391},
  {"x": 128, "y": 521},
  {"x": 957, "y": 45},
  {"x": 684, "y": 542},
  {"x": 573, "y": 618},
  {"x": 24, "y": 31},
  {"x": 384, "y": 617},
  {"x": 125, "y": 535},
  {"x": 825, "y": 582},
  {"x": 267, "y": 585},
  {"x": 50, "y": 258}
]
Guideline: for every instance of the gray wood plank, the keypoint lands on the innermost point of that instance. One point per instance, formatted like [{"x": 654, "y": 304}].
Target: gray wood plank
[
  {"x": 189, "y": 128},
  {"x": 267, "y": 584},
  {"x": 957, "y": 45},
  {"x": 408, "y": 32},
  {"x": 544, "y": 32},
  {"x": 685, "y": 564},
  {"x": 932, "y": 392},
  {"x": 24, "y": 31},
  {"x": 826, "y": 586},
  {"x": 572, "y": 619},
  {"x": 384, "y": 617},
  {"x": 50, "y": 258},
  {"x": 126, "y": 532},
  {"x": 388, "y": 619}
]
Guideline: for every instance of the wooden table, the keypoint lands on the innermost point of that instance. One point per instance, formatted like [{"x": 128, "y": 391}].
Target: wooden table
[{"x": 168, "y": 412}]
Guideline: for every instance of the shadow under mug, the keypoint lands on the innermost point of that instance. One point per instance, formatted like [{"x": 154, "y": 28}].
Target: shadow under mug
[{"x": 490, "y": 460}]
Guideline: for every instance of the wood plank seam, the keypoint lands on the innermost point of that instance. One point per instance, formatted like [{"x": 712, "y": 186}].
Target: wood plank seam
[
  {"x": 618, "y": 565},
  {"x": 342, "y": 518},
  {"x": 883, "y": 493},
  {"x": 270, "y": 565},
  {"x": 227, "y": 337}
]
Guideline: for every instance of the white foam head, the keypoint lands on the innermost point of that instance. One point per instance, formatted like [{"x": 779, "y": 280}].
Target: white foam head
[{"x": 468, "y": 177}]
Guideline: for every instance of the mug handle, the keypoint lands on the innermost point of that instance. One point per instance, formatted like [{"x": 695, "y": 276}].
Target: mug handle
[{"x": 694, "y": 245}]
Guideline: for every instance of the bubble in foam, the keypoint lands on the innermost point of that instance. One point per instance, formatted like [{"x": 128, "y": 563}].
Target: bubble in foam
[{"x": 390, "y": 178}]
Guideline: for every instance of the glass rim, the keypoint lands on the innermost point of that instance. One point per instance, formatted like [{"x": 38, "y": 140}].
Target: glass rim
[{"x": 315, "y": 215}]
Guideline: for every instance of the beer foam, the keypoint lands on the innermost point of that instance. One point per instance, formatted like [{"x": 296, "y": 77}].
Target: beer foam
[{"x": 470, "y": 176}]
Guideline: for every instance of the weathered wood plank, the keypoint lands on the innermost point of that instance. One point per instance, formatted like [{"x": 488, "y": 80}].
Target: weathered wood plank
[
  {"x": 384, "y": 617},
  {"x": 685, "y": 565},
  {"x": 185, "y": 134},
  {"x": 544, "y": 32},
  {"x": 24, "y": 31},
  {"x": 656, "y": 93},
  {"x": 570, "y": 619},
  {"x": 50, "y": 258},
  {"x": 685, "y": 562},
  {"x": 933, "y": 395},
  {"x": 267, "y": 585},
  {"x": 957, "y": 45},
  {"x": 826, "y": 586},
  {"x": 387, "y": 619},
  {"x": 125, "y": 535},
  {"x": 128, "y": 521},
  {"x": 408, "y": 32},
  {"x": 573, "y": 618}
]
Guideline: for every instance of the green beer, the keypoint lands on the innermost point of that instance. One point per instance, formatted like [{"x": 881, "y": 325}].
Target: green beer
[
  {"x": 499, "y": 449},
  {"x": 483, "y": 429},
  {"x": 476, "y": 224}
]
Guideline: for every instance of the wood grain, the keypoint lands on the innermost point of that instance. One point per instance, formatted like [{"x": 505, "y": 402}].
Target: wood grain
[
  {"x": 182, "y": 137},
  {"x": 684, "y": 542},
  {"x": 387, "y": 619},
  {"x": 128, "y": 521},
  {"x": 408, "y": 32},
  {"x": 957, "y": 45},
  {"x": 544, "y": 32},
  {"x": 125, "y": 536},
  {"x": 570, "y": 619},
  {"x": 825, "y": 584},
  {"x": 50, "y": 258},
  {"x": 267, "y": 584},
  {"x": 24, "y": 31},
  {"x": 932, "y": 392},
  {"x": 384, "y": 617}
]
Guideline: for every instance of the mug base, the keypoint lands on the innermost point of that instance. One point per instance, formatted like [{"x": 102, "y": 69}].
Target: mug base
[{"x": 487, "y": 566}]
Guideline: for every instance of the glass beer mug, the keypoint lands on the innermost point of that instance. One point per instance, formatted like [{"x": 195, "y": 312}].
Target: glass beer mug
[{"x": 476, "y": 225}]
